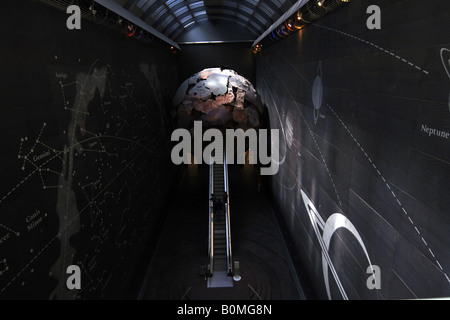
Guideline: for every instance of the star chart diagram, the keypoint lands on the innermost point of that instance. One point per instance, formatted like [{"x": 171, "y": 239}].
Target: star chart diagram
[{"x": 91, "y": 179}]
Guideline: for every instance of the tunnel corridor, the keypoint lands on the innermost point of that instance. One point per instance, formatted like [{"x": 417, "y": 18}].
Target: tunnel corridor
[
  {"x": 355, "y": 95},
  {"x": 258, "y": 245}
]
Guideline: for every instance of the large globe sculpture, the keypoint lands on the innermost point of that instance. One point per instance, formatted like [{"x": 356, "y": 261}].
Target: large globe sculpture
[{"x": 220, "y": 98}]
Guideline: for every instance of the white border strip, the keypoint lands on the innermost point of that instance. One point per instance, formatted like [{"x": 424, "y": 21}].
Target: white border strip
[
  {"x": 288, "y": 13},
  {"x": 116, "y": 8},
  {"x": 217, "y": 42}
]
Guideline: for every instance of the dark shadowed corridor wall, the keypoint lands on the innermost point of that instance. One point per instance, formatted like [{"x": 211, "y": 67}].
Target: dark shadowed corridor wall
[
  {"x": 85, "y": 164},
  {"x": 365, "y": 159}
]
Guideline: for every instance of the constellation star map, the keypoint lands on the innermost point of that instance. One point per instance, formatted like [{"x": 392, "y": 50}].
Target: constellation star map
[{"x": 87, "y": 189}]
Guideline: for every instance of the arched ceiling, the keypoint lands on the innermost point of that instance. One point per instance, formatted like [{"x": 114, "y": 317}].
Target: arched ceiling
[{"x": 174, "y": 17}]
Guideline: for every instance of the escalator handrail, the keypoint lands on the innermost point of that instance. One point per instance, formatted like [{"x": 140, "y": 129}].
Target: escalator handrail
[
  {"x": 211, "y": 221},
  {"x": 228, "y": 217}
]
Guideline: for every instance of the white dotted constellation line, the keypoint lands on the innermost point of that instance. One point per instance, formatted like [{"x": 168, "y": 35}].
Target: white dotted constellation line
[
  {"x": 10, "y": 230},
  {"x": 392, "y": 192},
  {"x": 28, "y": 264},
  {"x": 70, "y": 223},
  {"x": 92, "y": 201},
  {"x": 39, "y": 169},
  {"x": 65, "y": 101},
  {"x": 377, "y": 47},
  {"x": 59, "y": 153}
]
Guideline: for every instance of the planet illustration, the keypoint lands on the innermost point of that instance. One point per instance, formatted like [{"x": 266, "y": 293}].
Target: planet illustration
[
  {"x": 317, "y": 93},
  {"x": 445, "y": 57},
  {"x": 220, "y": 98}
]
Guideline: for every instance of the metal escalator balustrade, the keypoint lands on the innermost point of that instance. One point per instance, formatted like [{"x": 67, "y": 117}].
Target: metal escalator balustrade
[{"x": 220, "y": 253}]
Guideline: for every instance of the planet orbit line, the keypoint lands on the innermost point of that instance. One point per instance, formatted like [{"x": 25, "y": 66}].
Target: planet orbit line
[
  {"x": 276, "y": 176},
  {"x": 393, "y": 194},
  {"x": 365, "y": 153},
  {"x": 377, "y": 170},
  {"x": 375, "y": 46},
  {"x": 315, "y": 141}
]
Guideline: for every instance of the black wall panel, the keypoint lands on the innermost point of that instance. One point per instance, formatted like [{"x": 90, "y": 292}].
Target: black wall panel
[
  {"x": 85, "y": 163},
  {"x": 361, "y": 147}
]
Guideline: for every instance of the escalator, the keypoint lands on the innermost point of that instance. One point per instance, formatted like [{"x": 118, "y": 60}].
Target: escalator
[{"x": 220, "y": 253}]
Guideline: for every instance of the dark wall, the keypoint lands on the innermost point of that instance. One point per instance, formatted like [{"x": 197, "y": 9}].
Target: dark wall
[
  {"x": 85, "y": 162},
  {"x": 364, "y": 118},
  {"x": 236, "y": 56}
]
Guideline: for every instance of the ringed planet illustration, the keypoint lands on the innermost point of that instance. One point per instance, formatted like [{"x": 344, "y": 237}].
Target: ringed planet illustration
[{"x": 445, "y": 57}]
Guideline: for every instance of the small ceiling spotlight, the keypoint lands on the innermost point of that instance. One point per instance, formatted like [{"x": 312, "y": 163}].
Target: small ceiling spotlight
[
  {"x": 299, "y": 19},
  {"x": 299, "y": 22},
  {"x": 173, "y": 50},
  {"x": 130, "y": 30},
  {"x": 257, "y": 48},
  {"x": 290, "y": 25}
]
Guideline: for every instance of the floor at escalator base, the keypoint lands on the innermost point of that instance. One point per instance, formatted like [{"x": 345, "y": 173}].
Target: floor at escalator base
[{"x": 220, "y": 279}]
